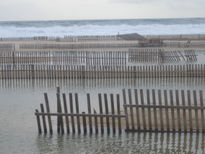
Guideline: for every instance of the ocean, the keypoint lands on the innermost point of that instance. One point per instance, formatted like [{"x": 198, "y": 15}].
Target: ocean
[{"x": 62, "y": 28}]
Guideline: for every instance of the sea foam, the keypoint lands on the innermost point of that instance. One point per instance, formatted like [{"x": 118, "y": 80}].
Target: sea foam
[{"x": 93, "y": 29}]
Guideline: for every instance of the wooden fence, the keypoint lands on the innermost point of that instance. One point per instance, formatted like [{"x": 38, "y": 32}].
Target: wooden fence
[
  {"x": 176, "y": 112},
  {"x": 94, "y": 72},
  {"x": 99, "y": 58},
  {"x": 73, "y": 120}
]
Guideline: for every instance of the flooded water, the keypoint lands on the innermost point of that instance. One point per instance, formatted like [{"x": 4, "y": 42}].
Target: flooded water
[{"x": 18, "y": 128}]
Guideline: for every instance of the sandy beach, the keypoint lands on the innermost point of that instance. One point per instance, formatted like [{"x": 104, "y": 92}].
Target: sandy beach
[{"x": 118, "y": 43}]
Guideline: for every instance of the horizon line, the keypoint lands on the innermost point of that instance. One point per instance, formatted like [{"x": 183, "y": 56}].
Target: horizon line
[{"x": 101, "y": 19}]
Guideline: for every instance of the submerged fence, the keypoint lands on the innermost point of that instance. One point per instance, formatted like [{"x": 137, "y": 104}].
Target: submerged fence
[
  {"x": 165, "y": 111},
  {"x": 99, "y": 58},
  {"x": 98, "y": 72},
  {"x": 99, "y": 64}
]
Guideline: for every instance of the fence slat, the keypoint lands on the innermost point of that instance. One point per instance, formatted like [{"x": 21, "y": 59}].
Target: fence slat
[
  {"x": 89, "y": 111},
  {"x": 66, "y": 111},
  {"x": 137, "y": 110},
  {"x": 118, "y": 112},
  {"x": 71, "y": 111},
  {"x": 84, "y": 123},
  {"x": 184, "y": 110},
  {"x": 48, "y": 111},
  {"x": 43, "y": 119},
  {"x": 113, "y": 112},
  {"x": 190, "y": 111},
  {"x": 60, "y": 118},
  {"x": 131, "y": 109},
  {"x": 202, "y": 110},
  {"x": 178, "y": 110},
  {"x": 161, "y": 116},
  {"x": 196, "y": 111},
  {"x": 96, "y": 122},
  {"x": 155, "y": 113},
  {"x": 149, "y": 111},
  {"x": 38, "y": 122},
  {"x": 107, "y": 111},
  {"x": 125, "y": 109},
  {"x": 166, "y": 110},
  {"x": 77, "y": 111},
  {"x": 143, "y": 110},
  {"x": 101, "y": 112},
  {"x": 172, "y": 110}
]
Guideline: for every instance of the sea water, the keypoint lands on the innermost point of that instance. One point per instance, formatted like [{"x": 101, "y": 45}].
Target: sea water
[
  {"x": 18, "y": 127},
  {"x": 102, "y": 27}
]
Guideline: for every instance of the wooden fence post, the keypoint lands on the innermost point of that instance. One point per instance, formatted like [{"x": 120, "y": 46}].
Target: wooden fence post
[
  {"x": 131, "y": 109},
  {"x": 118, "y": 112},
  {"x": 101, "y": 112},
  {"x": 66, "y": 111},
  {"x": 38, "y": 122},
  {"x": 143, "y": 110},
  {"x": 43, "y": 119},
  {"x": 71, "y": 111},
  {"x": 60, "y": 118},
  {"x": 48, "y": 111},
  {"x": 77, "y": 111},
  {"x": 113, "y": 112},
  {"x": 89, "y": 112},
  {"x": 125, "y": 109},
  {"x": 107, "y": 112}
]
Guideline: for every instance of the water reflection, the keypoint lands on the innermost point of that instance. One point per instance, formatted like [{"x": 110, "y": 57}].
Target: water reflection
[{"x": 125, "y": 143}]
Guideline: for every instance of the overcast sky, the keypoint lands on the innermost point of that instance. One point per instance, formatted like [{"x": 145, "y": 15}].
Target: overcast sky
[{"x": 99, "y": 9}]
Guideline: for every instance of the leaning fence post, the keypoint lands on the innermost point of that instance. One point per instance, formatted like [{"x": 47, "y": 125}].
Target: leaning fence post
[
  {"x": 107, "y": 112},
  {"x": 38, "y": 122},
  {"x": 48, "y": 111},
  {"x": 43, "y": 119},
  {"x": 89, "y": 112},
  {"x": 77, "y": 111},
  {"x": 125, "y": 109},
  {"x": 137, "y": 110},
  {"x": 66, "y": 112},
  {"x": 71, "y": 111},
  {"x": 101, "y": 112}
]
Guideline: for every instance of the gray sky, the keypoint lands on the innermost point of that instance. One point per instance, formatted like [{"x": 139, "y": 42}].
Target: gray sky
[{"x": 99, "y": 9}]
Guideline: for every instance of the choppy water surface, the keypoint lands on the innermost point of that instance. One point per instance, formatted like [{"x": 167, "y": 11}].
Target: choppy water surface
[
  {"x": 102, "y": 27},
  {"x": 18, "y": 129}
]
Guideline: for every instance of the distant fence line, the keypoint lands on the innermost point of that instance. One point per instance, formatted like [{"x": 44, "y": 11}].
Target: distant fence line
[
  {"x": 153, "y": 111},
  {"x": 106, "y": 37},
  {"x": 99, "y": 58},
  {"x": 97, "y": 72}
]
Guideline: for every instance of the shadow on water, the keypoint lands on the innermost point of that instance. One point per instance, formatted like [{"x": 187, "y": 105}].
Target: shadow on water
[{"x": 125, "y": 143}]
